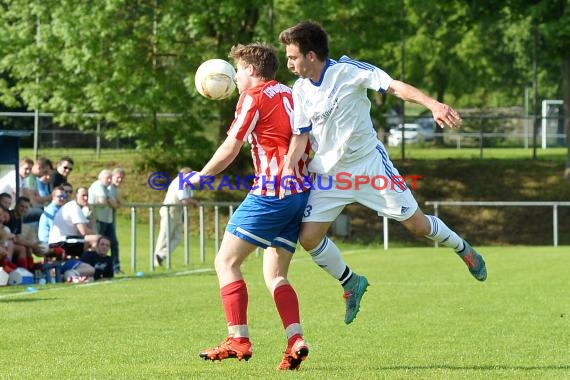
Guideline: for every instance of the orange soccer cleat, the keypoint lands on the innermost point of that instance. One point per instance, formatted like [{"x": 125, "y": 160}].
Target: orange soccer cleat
[
  {"x": 229, "y": 348},
  {"x": 294, "y": 355}
]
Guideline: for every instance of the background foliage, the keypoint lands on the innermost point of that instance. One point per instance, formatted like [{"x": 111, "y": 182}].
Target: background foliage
[{"x": 130, "y": 63}]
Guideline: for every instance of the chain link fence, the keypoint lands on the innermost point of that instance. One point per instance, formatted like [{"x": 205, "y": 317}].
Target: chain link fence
[{"x": 481, "y": 130}]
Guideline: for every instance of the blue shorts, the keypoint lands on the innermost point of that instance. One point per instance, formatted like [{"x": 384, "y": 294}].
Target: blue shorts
[
  {"x": 269, "y": 221},
  {"x": 70, "y": 264}
]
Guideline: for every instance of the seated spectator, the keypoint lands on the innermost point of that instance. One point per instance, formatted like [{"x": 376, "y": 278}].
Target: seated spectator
[
  {"x": 99, "y": 259},
  {"x": 70, "y": 221},
  {"x": 58, "y": 198},
  {"x": 75, "y": 270},
  {"x": 68, "y": 188},
  {"x": 6, "y": 242},
  {"x": 6, "y": 200},
  {"x": 38, "y": 179},
  {"x": 24, "y": 246},
  {"x": 10, "y": 180}
]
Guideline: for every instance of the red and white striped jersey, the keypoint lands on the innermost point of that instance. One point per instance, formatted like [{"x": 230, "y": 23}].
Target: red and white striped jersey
[{"x": 264, "y": 117}]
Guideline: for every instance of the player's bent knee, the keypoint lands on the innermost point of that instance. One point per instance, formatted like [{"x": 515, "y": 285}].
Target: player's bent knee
[
  {"x": 224, "y": 262},
  {"x": 309, "y": 242}
]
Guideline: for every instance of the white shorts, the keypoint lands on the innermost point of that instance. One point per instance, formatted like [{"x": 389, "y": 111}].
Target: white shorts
[{"x": 374, "y": 183}]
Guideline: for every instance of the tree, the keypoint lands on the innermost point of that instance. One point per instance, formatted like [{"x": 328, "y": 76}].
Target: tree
[
  {"x": 126, "y": 63},
  {"x": 551, "y": 21},
  {"x": 129, "y": 62}
]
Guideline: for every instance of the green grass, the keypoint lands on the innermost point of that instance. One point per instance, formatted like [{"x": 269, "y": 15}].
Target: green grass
[
  {"x": 423, "y": 317},
  {"x": 426, "y": 153}
]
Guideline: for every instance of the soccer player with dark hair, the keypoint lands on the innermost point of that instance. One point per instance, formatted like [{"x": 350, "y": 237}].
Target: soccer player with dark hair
[{"x": 331, "y": 102}]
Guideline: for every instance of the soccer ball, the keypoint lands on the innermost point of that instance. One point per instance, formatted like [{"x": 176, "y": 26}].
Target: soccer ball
[{"x": 215, "y": 79}]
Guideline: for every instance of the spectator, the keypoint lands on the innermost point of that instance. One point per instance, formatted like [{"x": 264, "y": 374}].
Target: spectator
[
  {"x": 98, "y": 259},
  {"x": 100, "y": 201},
  {"x": 9, "y": 183},
  {"x": 75, "y": 270},
  {"x": 6, "y": 200},
  {"x": 43, "y": 184},
  {"x": 42, "y": 168},
  {"x": 116, "y": 202},
  {"x": 61, "y": 172},
  {"x": 59, "y": 197},
  {"x": 70, "y": 221},
  {"x": 6, "y": 242},
  {"x": 68, "y": 188},
  {"x": 24, "y": 246},
  {"x": 172, "y": 217}
]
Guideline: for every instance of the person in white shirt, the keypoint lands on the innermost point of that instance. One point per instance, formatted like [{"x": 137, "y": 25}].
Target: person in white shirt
[
  {"x": 100, "y": 201},
  {"x": 71, "y": 221},
  {"x": 10, "y": 181},
  {"x": 331, "y": 101},
  {"x": 171, "y": 218}
]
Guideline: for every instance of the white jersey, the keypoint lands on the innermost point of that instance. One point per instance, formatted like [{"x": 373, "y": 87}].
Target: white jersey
[
  {"x": 174, "y": 194},
  {"x": 65, "y": 222},
  {"x": 337, "y": 111}
]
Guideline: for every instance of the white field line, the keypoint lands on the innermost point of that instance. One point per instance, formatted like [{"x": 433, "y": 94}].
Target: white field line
[{"x": 299, "y": 257}]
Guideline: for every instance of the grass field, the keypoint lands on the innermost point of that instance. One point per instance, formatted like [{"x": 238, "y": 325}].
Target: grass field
[{"x": 423, "y": 317}]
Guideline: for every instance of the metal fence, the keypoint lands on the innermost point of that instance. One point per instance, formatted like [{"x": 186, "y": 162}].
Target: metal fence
[
  {"x": 436, "y": 205},
  {"x": 215, "y": 228},
  {"x": 140, "y": 210},
  {"x": 478, "y": 130}
]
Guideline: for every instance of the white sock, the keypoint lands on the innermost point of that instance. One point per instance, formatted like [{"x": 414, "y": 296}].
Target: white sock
[
  {"x": 327, "y": 255},
  {"x": 443, "y": 234}
]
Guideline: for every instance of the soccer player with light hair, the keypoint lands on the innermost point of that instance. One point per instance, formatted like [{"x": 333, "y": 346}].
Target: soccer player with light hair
[
  {"x": 331, "y": 102},
  {"x": 264, "y": 119}
]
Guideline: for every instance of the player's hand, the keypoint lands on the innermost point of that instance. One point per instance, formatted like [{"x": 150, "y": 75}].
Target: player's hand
[
  {"x": 286, "y": 183},
  {"x": 445, "y": 115}
]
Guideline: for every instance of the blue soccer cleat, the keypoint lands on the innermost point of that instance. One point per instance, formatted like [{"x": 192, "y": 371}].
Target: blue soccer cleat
[
  {"x": 352, "y": 298},
  {"x": 474, "y": 262}
]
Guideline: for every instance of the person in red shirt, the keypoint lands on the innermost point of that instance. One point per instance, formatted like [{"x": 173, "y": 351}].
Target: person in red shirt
[{"x": 264, "y": 119}]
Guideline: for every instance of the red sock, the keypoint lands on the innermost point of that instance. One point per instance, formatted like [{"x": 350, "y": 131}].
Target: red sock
[
  {"x": 31, "y": 263},
  {"x": 22, "y": 262},
  {"x": 234, "y": 299},
  {"x": 287, "y": 304},
  {"x": 7, "y": 265}
]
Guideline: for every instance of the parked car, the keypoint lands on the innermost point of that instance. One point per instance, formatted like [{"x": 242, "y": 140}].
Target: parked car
[
  {"x": 427, "y": 124},
  {"x": 413, "y": 133}
]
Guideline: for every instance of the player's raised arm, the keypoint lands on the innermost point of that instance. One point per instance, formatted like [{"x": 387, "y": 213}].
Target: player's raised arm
[
  {"x": 442, "y": 113},
  {"x": 223, "y": 157}
]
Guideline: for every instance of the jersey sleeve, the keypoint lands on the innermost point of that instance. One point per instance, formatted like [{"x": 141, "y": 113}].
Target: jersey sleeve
[
  {"x": 368, "y": 75},
  {"x": 247, "y": 115},
  {"x": 301, "y": 122}
]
